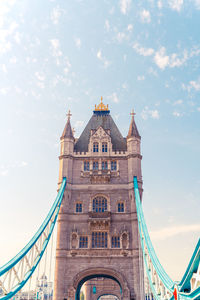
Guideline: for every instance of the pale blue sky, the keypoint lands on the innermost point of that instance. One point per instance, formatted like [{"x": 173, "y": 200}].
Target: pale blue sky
[{"x": 59, "y": 55}]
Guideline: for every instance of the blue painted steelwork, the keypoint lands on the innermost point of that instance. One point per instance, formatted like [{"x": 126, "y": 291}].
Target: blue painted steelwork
[
  {"x": 166, "y": 280},
  {"x": 184, "y": 286},
  {"x": 53, "y": 213}
]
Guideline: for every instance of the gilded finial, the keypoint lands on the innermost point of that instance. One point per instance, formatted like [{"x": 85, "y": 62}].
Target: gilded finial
[
  {"x": 101, "y": 106},
  {"x": 69, "y": 114}
]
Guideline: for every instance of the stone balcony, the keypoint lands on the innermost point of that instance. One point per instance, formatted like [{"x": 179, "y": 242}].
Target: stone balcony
[{"x": 99, "y": 220}]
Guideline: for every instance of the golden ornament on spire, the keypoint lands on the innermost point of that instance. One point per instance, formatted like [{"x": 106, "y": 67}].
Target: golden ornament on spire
[{"x": 101, "y": 106}]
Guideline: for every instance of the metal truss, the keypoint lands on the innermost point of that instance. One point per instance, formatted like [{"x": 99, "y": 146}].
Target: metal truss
[
  {"x": 160, "y": 284},
  {"x": 15, "y": 274}
]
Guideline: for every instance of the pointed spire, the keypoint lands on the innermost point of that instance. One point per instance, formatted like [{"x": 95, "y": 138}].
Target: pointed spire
[
  {"x": 67, "y": 132},
  {"x": 133, "y": 131}
]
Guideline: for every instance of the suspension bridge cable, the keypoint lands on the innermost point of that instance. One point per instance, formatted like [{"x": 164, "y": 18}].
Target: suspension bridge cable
[{"x": 10, "y": 291}]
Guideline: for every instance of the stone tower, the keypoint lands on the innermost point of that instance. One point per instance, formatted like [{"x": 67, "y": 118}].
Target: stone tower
[{"x": 97, "y": 225}]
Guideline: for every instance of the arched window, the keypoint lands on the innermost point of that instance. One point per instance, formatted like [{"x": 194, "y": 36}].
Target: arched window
[
  {"x": 99, "y": 204},
  {"x": 95, "y": 147}
]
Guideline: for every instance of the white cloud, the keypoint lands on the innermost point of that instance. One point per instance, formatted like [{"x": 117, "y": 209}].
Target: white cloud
[
  {"x": 145, "y": 16},
  {"x": 4, "y": 68},
  {"x": 114, "y": 98},
  {"x": 140, "y": 77},
  {"x": 143, "y": 51},
  {"x": 154, "y": 114},
  {"x": 161, "y": 59},
  {"x": 4, "y": 91},
  {"x": 146, "y": 113},
  {"x": 168, "y": 232},
  {"x": 178, "y": 102},
  {"x": 56, "y": 52},
  {"x": 107, "y": 25},
  {"x": 55, "y": 15},
  {"x": 121, "y": 36},
  {"x": 105, "y": 62},
  {"x": 175, "y": 4},
  {"x": 197, "y": 3},
  {"x": 79, "y": 124},
  {"x": 40, "y": 76},
  {"x": 130, "y": 27},
  {"x": 3, "y": 172},
  {"x": 13, "y": 60},
  {"x": 125, "y": 6},
  {"x": 159, "y": 4},
  {"x": 17, "y": 37},
  {"x": 192, "y": 85},
  {"x": 78, "y": 42},
  {"x": 176, "y": 114}
]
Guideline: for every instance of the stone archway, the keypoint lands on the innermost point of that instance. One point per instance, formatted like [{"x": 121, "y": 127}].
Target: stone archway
[
  {"x": 91, "y": 273},
  {"x": 108, "y": 292}
]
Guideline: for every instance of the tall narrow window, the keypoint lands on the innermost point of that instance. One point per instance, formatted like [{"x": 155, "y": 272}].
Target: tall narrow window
[
  {"x": 95, "y": 147},
  {"x": 86, "y": 165},
  {"x": 113, "y": 165},
  {"x": 99, "y": 239},
  {"x": 83, "y": 242},
  {"x": 78, "y": 207},
  {"x": 95, "y": 165},
  {"x": 104, "y": 147},
  {"x": 120, "y": 206},
  {"x": 104, "y": 165},
  {"x": 115, "y": 242},
  {"x": 99, "y": 204}
]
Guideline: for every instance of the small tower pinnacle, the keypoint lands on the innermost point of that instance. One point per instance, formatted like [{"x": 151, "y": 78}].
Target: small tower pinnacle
[
  {"x": 133, "y": 131},
  {"x": 67, "y": 132}
]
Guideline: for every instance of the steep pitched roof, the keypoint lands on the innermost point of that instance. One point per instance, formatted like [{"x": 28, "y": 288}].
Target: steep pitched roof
[
  {"x": 67, "y": 132},
  {"x": 133, "y": 131},
  {"x": 104, "y": 120}
]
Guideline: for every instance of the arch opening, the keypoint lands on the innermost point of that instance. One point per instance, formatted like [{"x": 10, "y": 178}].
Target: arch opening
[
  {"x": 98, "y": 285},
  {"x": 108, "y": 297}
]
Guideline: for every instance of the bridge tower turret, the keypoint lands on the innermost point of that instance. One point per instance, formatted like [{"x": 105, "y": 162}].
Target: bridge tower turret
[
  {"x": 134, "y": 152},
  {"x": 97, "y": 233},
  {"x": 66, "y": 151}
]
